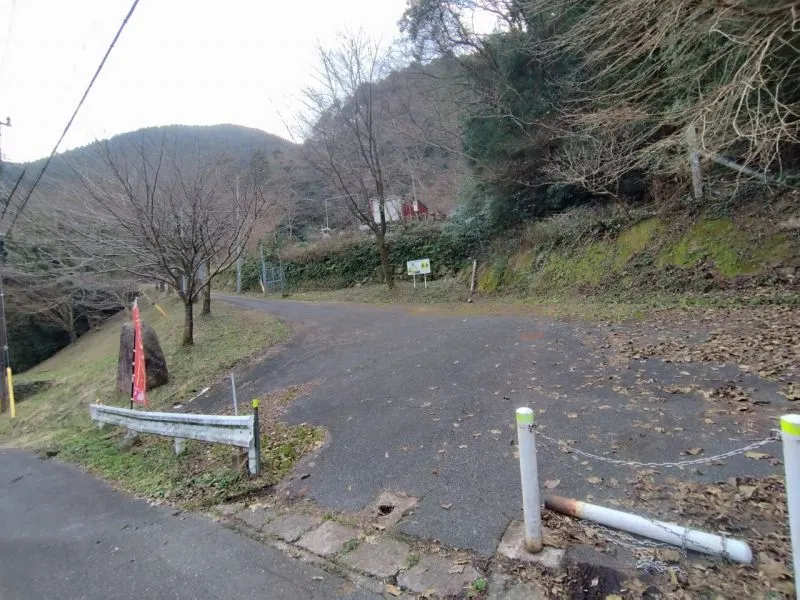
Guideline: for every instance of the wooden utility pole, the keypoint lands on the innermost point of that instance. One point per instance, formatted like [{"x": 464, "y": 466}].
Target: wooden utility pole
[
  {"x": 694, "y": 161},
  {"x": 239, "y": 247},
  {"x": 4, "y": 355}
]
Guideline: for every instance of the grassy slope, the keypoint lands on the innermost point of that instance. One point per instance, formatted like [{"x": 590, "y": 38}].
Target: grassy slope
[
  {"x": 57, "y": 419},
  {"x": 85, "y": 372},
  {"x": 562, "y": 267}
]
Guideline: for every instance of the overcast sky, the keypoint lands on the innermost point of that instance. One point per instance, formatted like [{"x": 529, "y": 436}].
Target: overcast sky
[{"x": 196, "y": 62}]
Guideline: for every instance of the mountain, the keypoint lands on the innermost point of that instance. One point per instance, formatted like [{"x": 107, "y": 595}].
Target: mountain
[{"x": 235, "y": 141}]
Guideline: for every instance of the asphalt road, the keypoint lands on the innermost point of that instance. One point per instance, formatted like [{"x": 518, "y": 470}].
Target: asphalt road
[
  {"x": 67, "y": 536},
  {"x": 424, "y": 404}
]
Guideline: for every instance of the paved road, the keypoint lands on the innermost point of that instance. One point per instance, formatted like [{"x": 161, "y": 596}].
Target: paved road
[
  {"x": 66, "y": 536},
  {"x": 424, "y": 404}
]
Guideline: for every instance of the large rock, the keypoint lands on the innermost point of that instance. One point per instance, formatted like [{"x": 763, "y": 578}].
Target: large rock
[{"x": 154, "y": 361}]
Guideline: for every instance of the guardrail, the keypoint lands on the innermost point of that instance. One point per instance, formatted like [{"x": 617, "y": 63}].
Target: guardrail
[{"x": 216, "y": 429}]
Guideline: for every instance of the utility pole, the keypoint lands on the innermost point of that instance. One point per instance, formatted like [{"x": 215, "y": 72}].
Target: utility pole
[
  {"x": 239, "y": 247},
  {"x": 4, "y": 355},
  {"x": 5, "y": 361},
  {"x": 7, "y": 123}
]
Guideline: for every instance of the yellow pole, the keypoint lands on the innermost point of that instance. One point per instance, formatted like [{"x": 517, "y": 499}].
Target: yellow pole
[{"x": 10, "y": 383}]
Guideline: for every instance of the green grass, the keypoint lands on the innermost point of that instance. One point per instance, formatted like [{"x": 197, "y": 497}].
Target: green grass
[
  {"x": 56, "y": 419},
  {"x": 412, "y": 560},
  {"x": 732, "y": 249},
  {"x": 477, "y": 587},
  {"x": 85, "y": 371},
  {"x": 635, "y": 239},
  {"x": 349, "y": 546}
]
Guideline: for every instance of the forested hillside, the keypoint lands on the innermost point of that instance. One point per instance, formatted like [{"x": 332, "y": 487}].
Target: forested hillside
[
  {"x": 578, "y": 147},
  {"x": 624, "y": 110},
  {"x": 60, "y": 281}
]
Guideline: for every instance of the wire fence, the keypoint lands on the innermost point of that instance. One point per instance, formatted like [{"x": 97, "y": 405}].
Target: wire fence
[{"x": 651, "y": 564}]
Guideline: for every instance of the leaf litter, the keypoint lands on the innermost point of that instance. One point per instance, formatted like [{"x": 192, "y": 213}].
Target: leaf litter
[{"x": 751, "y": 509}]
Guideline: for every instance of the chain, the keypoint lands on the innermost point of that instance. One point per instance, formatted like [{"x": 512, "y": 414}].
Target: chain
[
  {"x": 773, "y": 437},
  {"x": 626, "y": 541},
  {"x": 650, "y": 565}
]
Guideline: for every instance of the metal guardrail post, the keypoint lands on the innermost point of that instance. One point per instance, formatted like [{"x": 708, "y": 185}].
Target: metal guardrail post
[{"x": 255, "y": 451}]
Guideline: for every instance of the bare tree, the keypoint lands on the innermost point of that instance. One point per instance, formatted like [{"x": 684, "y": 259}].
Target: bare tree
[
  {"x": 162, "y": 218},
  {"x": 49, "y": 281},
  {"x": 345, "y": 124}
]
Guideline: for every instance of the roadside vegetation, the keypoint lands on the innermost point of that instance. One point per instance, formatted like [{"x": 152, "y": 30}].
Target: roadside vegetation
[{"x": 53, "y": 416}]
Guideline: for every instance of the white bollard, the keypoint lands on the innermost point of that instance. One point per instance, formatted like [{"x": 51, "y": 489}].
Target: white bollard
[
  {"x": 529, "y": 473},
  {"x": 790, "y": 433}
]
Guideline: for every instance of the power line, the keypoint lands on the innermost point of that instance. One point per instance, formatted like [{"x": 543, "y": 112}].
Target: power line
[{"x": 71, "y": 119}]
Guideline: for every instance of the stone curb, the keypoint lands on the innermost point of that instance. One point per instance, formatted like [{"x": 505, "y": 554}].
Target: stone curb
[{"x": 385, "y": 563}]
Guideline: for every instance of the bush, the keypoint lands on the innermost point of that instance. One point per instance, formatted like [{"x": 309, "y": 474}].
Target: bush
[{"x": 335, "y": 265}]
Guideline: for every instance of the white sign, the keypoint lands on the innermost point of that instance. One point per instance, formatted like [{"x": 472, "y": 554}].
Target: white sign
[{"x": 419, "y": 267}]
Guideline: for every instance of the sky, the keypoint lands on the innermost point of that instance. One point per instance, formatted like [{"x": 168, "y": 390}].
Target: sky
[{"x": 195, "y": 62}]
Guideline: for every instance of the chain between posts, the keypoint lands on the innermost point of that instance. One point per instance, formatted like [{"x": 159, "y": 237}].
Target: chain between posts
[
  {"x": 774, "y": 436},
  {"x": 635, "y": 543}
]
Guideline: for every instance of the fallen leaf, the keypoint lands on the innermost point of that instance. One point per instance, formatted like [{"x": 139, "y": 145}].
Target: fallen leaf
[
  {"x": 456, "y": 570},
  {"x": 771, "y": 568},
  {"x": 393, "y": 589},
  {"x": 551, "y": 483},
  {"x": 747, "y": 491},
  {"x": 668, "y": 555},
  {"x": 791, "y": 392},
  {"x": 757, "y": 455},
  {"x": 595, "y": 480},
  {"x": 694, "y": 451}
]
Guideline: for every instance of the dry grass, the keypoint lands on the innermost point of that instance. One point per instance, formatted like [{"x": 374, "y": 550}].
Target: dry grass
[{"x": 56, "y": 419}]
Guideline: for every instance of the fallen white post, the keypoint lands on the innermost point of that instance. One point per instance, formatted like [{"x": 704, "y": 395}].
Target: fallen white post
[
  {"x": 790, "y": 432},
  {"x": 529, "y": 473},
  {"x": 669, "y": 533}
]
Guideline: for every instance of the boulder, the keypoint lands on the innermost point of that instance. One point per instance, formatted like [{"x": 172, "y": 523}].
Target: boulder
[{"x": 154, "y": 361}]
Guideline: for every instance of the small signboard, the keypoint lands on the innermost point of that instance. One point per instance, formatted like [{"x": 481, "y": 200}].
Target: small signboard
[{"x": 419, "y": 267}]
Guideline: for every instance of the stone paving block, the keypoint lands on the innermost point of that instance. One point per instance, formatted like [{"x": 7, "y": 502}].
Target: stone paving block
[
  {"x": 328, "y": 538},
  {"x": 512, "y": 546},
  {"x": 439, "y": 576},
  {"x": 290, "y": 527},
  {"x": 501, "y": 588},
  {"x": 257, "y": 518},
  {"x": 381, "y": 556}
]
